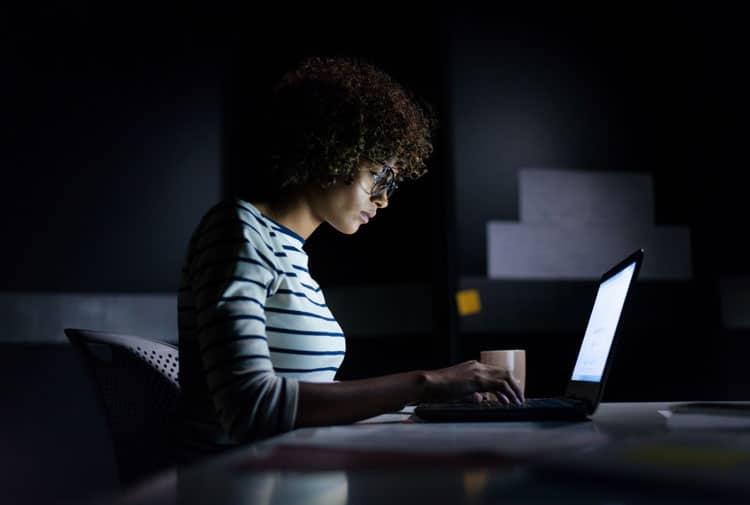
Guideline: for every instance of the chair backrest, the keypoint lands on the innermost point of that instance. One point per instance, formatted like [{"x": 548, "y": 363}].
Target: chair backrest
[{"x": 136, "y": 384}]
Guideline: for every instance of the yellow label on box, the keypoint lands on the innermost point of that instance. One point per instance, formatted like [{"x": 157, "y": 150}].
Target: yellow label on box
[{"x": 468, "y": 302}]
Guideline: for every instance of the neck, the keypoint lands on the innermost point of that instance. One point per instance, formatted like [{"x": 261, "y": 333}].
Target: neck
[{"x": 293, "y": 211}]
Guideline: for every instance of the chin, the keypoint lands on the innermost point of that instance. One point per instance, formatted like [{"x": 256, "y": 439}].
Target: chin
[{"x": 347, "y": 230}]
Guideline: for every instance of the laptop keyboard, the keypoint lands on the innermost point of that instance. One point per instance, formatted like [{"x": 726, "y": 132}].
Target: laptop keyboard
[
  {"x": 530, "y": 403},
  {"x": 544, "y": 403}
]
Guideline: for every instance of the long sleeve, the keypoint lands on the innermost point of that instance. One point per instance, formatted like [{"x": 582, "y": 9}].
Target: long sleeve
[{"x": 231, "y": 278}]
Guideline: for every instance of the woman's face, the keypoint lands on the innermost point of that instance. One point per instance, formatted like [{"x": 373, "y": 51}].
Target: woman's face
[{"x": 346, "y": 207}]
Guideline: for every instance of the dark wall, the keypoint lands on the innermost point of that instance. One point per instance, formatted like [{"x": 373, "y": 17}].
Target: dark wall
[
  {"x": 56, "y": 447},
  {"x": 116, "y": 139},
  {"x": 110, "y": 147},
  {"x": 654, "y": 90}
]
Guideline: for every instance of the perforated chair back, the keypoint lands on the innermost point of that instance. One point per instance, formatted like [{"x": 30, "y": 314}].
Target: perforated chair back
[{"x": 136, "y": 384}]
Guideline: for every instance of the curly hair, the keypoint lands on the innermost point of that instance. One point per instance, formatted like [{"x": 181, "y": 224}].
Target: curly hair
[{"x": 328, "y": 114}]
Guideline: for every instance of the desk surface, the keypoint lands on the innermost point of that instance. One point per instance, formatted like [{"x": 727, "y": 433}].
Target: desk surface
[{"x": 628, "y": 453}]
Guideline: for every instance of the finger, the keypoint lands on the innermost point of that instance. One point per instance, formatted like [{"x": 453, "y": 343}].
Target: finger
[
  {"x": 506, "y": 388},
  {"x": 517, "y": 387},
  {"x": 470, "y": 398},
  {"x": 502, "y": 398},
  {"x": 515, "y": 384}
]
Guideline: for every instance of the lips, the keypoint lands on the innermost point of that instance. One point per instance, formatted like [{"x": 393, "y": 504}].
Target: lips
[{"x": 364, "y": 216}]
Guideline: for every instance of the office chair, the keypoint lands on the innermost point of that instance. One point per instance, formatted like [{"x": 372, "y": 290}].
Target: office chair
[{"x": 136, "y": 384}]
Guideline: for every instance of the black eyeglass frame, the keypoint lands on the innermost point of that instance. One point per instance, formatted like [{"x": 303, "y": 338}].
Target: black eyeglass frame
[{"x": 389, "y": 185}]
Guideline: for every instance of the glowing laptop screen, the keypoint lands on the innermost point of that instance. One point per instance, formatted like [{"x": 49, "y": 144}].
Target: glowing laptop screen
[{"x": 602, "y": 325}]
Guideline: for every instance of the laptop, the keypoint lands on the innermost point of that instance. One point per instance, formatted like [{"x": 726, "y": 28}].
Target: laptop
[{"x": 586, "y": 384}]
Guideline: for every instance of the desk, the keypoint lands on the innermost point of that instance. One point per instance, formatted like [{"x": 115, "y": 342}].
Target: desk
[{"x": 628, "y": 453}]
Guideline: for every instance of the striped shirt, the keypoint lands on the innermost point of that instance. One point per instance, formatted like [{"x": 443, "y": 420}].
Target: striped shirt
[{"x": 252, "y": 323}]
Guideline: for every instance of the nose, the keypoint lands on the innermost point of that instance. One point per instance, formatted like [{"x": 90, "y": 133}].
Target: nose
[{"x": 381, "y": 200}]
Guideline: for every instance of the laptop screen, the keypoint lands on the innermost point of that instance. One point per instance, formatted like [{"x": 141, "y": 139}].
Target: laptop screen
[{"x": 602, "y": 324}]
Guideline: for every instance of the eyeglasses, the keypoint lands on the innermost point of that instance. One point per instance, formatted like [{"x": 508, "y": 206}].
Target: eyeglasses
[{"x": 385, "y": 181}]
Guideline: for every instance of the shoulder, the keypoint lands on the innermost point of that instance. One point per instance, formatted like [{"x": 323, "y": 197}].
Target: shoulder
[
  {"x": 237, "y": 222},
  {"x": 232, "y": 226},
  {"x": 229, "y": 208},
  {"x": 233, "y": 214}
]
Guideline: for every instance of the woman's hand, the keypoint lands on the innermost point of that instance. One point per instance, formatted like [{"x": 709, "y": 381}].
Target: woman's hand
[{"x": 471, "y": 381}]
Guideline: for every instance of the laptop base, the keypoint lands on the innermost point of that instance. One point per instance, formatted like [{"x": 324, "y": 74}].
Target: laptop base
[{"x": 555, "y": 410}]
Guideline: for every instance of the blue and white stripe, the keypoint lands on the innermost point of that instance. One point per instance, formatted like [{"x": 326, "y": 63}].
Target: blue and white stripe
[{"x": 252, "y": 322}]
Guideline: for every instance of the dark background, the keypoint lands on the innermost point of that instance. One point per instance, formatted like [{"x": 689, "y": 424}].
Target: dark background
[{"x": 123, "y": 124}]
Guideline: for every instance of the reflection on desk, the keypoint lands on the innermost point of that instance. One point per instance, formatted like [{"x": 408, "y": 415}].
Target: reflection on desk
[
  {"x": 625, "y": 454},
  {"x": 694, "y": 461},
  {"x": 521, "y": 440}
]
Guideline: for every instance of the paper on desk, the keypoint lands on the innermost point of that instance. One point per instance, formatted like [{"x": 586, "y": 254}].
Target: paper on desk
[
  {"x": 393, "y": 417},
  {"x": 708, "y": 420}
]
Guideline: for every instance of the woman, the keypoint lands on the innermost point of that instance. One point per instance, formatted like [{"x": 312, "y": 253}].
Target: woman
[{"x": 259, "y": 349}]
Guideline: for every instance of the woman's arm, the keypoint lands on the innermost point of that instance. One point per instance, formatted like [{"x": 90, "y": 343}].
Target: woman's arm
[
  {"x": 349, "y": 401},
  {"x": 345, "y": 402}
]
